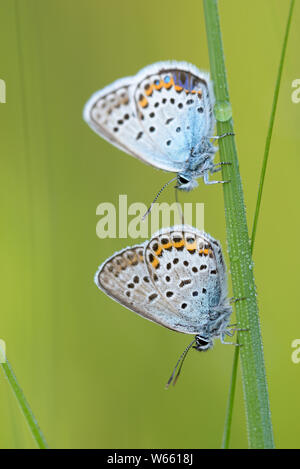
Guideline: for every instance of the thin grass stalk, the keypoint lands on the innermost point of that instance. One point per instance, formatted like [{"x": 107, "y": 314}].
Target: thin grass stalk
[
  {"x": 258, "y": 416},
  {"x": 24, "y": 406},
  {"x": 230, "y": 404}
]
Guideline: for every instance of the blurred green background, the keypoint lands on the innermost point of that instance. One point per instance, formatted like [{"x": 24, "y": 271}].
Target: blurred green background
[{"x": 94, "y": 372}]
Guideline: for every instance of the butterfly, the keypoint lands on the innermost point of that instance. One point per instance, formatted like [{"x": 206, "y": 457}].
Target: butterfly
[
  {"x": 163, "y": 116},
  {"x": 176, "y": 279}
]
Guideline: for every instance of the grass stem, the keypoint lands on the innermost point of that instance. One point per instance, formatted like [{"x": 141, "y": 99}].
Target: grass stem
[
  {"x": 260, "y": 434},
  {"x": 229, "y": 412},
  {"x": 24, "y": 406}
]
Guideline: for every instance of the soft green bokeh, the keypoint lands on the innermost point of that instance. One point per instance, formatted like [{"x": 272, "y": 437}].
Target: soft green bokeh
[{"x": 93, "y": 372}]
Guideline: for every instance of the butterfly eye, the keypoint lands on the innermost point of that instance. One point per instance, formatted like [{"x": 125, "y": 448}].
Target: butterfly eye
[
  {"x": 183, "y": 180},
  {"x": 200, "y": 341}
]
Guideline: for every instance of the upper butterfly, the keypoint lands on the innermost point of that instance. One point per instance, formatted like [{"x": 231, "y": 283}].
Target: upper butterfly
[{"x": 163, "y": 116}]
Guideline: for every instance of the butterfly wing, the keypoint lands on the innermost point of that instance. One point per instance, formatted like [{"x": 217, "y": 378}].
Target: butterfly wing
[
  {"x": 112, "y": 114},
  {"x": 190, "y": 273},
  {"x": 157, "y": 116},
  {"x": 125, "y": 278},
  {"x": 176, "y": 100}
]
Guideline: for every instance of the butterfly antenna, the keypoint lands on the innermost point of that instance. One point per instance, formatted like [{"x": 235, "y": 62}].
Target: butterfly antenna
[
  {"x": 180, "y": 362},
  {"x": 156, "y": 197}
]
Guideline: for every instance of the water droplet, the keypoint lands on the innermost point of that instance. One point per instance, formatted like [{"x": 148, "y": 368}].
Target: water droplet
[{"x": 223, "y": 111}]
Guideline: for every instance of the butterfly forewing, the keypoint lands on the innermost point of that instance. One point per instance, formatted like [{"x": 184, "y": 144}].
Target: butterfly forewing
[
  {"x": 125, "y": 278},
  {"x": 112, "y": 114},
  {"x": 158, "y": 116}
]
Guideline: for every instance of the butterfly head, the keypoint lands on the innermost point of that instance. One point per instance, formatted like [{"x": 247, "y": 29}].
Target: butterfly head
[
  {"x": 202, "y": 343},
  {"x": 186, "y": 182}
]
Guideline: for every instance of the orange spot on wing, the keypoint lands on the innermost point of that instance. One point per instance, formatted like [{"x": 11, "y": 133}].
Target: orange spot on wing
[
  {"x": 149, "y": 91},
  {"x": 206, "y": 252},
  {"x": 191, "y": 246},
  {"x": 167, "y": 246},
  {"x": 155, "y": 263},
  {"x": 143, "y": 102},
  {"x": 159, "y": 85},
  {"x": 159, "y": 250},
  {"x": 179, "y": 244},
  {"x": 169, "y": 85},
  {"x": 178, "y": 88}
]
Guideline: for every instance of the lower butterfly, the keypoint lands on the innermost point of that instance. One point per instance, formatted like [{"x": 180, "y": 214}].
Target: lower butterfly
[
  {"x": 163, "y": 116},
  {"x": 178, "y": 280}
]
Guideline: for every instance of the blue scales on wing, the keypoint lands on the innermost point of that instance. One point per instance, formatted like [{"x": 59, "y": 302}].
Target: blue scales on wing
[{"x": 158, "y": 115}]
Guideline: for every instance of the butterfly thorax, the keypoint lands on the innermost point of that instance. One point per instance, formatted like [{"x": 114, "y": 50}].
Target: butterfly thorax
[
  {"x": 200, "y": 161},
  {"x": 211, "y": 329}
]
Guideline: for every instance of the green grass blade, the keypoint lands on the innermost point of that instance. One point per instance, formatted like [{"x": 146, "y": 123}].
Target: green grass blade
[
  {"x": 228, "y": 418},
  {"x": 260, "y": 434},
  {"x": 230, "y": 404},
  {"x": 24, "y": 406},
  {"x": 271, "y": 123}
]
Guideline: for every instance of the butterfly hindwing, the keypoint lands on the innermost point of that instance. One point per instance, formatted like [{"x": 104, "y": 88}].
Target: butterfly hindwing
[
  {"x": 190, "y": 273},
  {"x": 176, "y": 102}
]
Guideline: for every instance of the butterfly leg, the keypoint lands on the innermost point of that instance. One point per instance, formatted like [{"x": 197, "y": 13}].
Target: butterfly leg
[
  {"x": 222, "y": 338},
  {"x": 231, "y": 333},
  {"x": 233, "y": 330},
  {"x": 215, "y": 168},
  {"x": 234, "y": 300},
  {"x": 218, "y": 137},
  {"x": 207, "y": 181}
]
